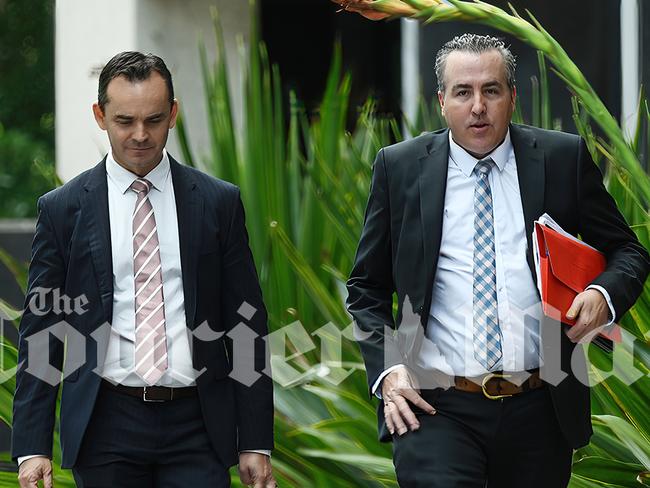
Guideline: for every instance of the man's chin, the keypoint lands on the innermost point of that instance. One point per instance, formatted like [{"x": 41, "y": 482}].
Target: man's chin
[
  {"x": 141, "y": 153},
  {"x": 479, "y": 150},
  {"x": 139, "y": 162}
]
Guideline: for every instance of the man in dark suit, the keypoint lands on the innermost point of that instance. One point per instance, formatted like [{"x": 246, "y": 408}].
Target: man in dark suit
[
  {"x": 160, "y": 252},
  {"x": 479, "y": 398}
]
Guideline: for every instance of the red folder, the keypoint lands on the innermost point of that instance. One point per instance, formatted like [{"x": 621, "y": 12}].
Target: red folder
[{"x": 566, "y": 267}]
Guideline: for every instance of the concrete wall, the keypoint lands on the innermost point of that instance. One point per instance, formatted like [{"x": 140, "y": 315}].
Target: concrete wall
[{"x": 90, "y": 32}]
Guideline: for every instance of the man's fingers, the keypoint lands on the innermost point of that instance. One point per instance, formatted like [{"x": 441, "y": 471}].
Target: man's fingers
[
  {"x": 388, "y": 406},
  {"x": 35, "y": 469},
  {"x": 574, "y": 332},
  {"x": 265, "y": 481},
  {"x": 416, "y": 399},
  {"x": 398, "y": 423},
  {"x": 407, "y": 415},
  {"x": 397, "y": 411},
  {"x": 592, "y": 312},
  {"x": 245, "y": 476},
  {"x": 255, "y": 470},
  {"x": 48, "y": 482},
  {"x": 27, "y": 484},
  {"x": 583, "y": 319},
  {"x": 583, "y": 332},
  {"x": 574, "y": 310},
  {"x": 34, "y": 472}
]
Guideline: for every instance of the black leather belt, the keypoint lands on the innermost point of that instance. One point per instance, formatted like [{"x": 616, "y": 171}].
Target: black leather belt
[{"x": 153, "y": 393}]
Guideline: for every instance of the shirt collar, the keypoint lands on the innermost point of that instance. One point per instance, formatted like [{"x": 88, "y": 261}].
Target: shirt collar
[
  {"x": 123, "y": 178},
  {"x": 466, "y": 162}
]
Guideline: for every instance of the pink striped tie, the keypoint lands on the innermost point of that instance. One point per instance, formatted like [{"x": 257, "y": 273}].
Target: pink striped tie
[{"x": 150, "y": 337}]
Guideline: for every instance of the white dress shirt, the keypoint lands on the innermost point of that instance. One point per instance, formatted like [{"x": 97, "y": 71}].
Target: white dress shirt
[
  {"x": 120, "y": 355},
  {"x": 450, "y": 331},
  {"x": 449, "y": 343}
]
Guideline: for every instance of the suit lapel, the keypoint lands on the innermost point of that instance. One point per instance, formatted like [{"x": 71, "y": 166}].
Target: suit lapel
[
  {"x": 531, "y": 175},
  {"x": 432, "y": 186},
  {"x": 189, "y": 209},
  {"x": 94, "y": 207}
]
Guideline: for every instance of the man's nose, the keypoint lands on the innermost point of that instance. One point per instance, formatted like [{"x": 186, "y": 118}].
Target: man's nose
[
  {"x": 478, "y": 104},
  {"x": 140, "y": 133}
]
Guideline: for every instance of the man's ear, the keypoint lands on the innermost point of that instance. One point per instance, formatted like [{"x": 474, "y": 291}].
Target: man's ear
[
  {"x": 513, "y": 97},
  {"x": 441, "y": 101},
  {"x": 173, "y": 114},
  {"x": 99, "y": 116}
]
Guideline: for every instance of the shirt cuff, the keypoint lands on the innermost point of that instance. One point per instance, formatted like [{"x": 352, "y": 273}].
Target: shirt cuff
[
  {"x": 375, "y": 388},
  {"x": 266, "y": 452},
  {"x": 20, "y": 459},
  {"x": 612, "y": 312}
]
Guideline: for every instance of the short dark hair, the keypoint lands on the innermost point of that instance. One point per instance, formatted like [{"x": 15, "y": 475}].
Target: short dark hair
[
  {"x": 477, "y": 44},
  {"x": 134, "y": 66}
]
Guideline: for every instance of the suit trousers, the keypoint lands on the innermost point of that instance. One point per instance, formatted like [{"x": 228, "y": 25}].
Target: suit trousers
[
  {"x": 475, "y": 442},
  {"x": 132, "y": 443}
]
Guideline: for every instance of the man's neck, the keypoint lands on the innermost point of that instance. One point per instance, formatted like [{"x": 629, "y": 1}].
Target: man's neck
[{"x": 476, "y": 155}]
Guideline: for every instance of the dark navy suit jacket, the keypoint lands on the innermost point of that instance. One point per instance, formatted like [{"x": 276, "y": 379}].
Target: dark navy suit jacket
[{"x": 72, "y": 252}]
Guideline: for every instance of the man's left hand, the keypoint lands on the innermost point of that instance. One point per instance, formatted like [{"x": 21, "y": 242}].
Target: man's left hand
[
  {"x": 255, "y": 470},
  {"x": 590, "y": 311}
]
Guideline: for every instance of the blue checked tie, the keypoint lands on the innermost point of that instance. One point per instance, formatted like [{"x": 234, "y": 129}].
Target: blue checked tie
[{"x": 487, "y": 335}]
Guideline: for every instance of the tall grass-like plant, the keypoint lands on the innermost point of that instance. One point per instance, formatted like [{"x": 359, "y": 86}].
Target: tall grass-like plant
[{"x": 303, "y": 236}]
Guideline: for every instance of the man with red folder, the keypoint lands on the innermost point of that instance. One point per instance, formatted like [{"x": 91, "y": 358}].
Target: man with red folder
[{"x": 448, "y": 229}]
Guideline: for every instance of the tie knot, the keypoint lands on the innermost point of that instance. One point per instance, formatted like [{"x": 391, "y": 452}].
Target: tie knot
[
  {"x": 141, "y": 186},
  {"x": 484, "y": 166}
]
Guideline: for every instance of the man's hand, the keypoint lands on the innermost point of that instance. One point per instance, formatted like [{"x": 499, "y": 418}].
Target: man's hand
[
  {"x": 396, "y": 388},
  {"x": 34, "y": 469},
  {"x": 591, "y": 310},
  {"x": 255, "y": 470}
]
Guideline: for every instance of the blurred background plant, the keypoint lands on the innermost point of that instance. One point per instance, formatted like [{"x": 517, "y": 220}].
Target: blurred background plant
[
  {"x": 305, "y": 180},
  {"x": 26, "y": 105}
]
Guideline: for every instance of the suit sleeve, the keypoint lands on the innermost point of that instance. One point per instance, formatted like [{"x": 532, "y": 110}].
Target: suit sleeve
[
  {"x": 35, "y": 399},
  {"x": 370, "y": 286},
  {"x": 603, "y": 226},
  {"x": 241, "y": 284}
]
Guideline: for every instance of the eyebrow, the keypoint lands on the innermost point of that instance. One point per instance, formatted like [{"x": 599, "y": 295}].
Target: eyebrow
[
  {"x": 490, "y": 84},
  {"x": 464, "y": 86},
  {"x": 130, "y": 117}
]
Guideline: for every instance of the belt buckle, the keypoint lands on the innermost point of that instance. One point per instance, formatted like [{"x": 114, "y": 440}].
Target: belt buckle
[
  {"x": 144, "y": 396},
  {"x": 487, "y": 378}
]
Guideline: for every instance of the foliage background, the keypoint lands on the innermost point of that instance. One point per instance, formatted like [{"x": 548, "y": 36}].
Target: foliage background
[{"x": 26, "y": 104}]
